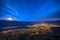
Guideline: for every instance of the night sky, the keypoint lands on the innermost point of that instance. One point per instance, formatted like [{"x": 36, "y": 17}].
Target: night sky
[{"x": 30, "y": 10}]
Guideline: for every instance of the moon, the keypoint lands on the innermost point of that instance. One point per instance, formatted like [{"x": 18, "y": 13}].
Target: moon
[{"x": 9, "y": 18}]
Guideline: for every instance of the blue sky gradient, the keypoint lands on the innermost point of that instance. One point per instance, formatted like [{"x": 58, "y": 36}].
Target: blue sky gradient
[{"x": 30, "y": 10}]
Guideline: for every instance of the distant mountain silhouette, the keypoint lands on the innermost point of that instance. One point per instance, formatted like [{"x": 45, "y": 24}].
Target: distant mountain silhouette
[
  {"x": 21, "y": 24},
  {"x": 4, "y": 23},
  {"x": 53, "y": 22},
  {"x": 13, "y": 24}
]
